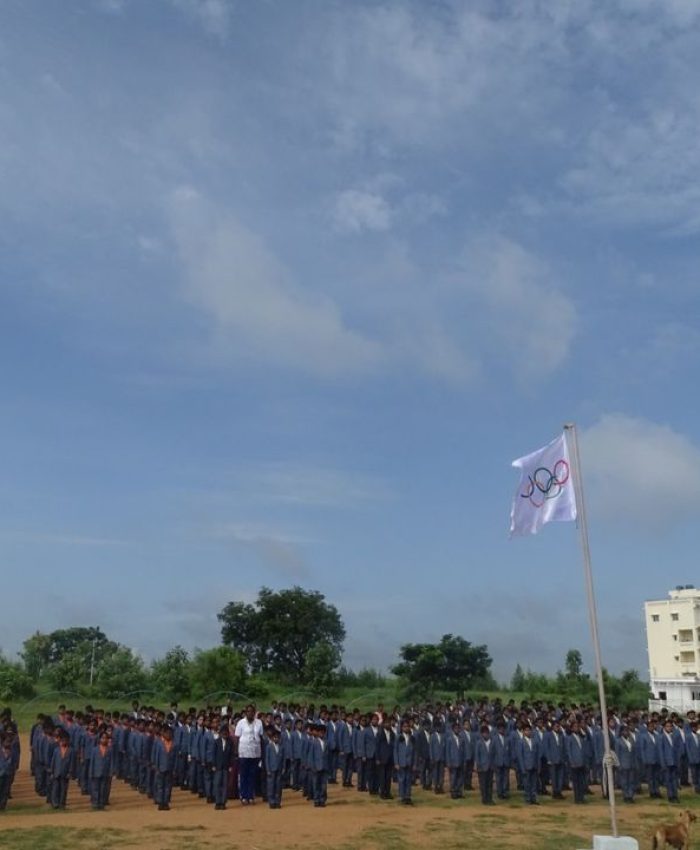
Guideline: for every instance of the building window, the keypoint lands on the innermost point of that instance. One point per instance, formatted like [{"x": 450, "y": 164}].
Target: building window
[
  {"x": 662, "y": 695},
  {"x": 654, "y": 618},
  {"x": 676, "y": 658},
  {"x": 695, "y": 695},
  {"x": 674, "y": 617},
  {"x": 675, "y": 637}
]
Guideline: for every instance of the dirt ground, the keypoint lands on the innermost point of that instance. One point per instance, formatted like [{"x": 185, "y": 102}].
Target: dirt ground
[{"x": 351, "y": 821}]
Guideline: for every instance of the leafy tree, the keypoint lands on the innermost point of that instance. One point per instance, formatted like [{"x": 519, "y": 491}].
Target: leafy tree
[
  {"x": 121, "y": 672},
  {"x": 15, "y": 682},
  {"x": 517, "y": 683},
  {"x": 171, "y": 674},
  {"x": 41, "y": 651},
  {"x": 453, "y": 664},
  {"x": 68, "y": 673},
  {"x": 321, "y": 661},
  {"x": 573, "y": 664},
  {"x": 276, "y": 633},
  {"x": 218, "y": 669}
]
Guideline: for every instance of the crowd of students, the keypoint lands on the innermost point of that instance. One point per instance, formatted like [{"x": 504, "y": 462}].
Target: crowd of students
[{"x": 221, "y": 755}]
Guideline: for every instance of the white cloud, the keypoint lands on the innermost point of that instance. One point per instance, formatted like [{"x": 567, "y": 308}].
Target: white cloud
[
  {"x": 356, "y": 210},
  {"x": 252, "y": 300},
  {"x": 520, "y": 314},
  {"x": 640, "y": 472}
]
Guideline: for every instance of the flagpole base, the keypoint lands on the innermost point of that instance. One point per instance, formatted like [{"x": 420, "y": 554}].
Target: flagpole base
[{"x": 607, "y": 842}]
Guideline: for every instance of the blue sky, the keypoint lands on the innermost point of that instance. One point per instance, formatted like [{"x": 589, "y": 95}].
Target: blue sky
[{"x": 287, "y": 286}]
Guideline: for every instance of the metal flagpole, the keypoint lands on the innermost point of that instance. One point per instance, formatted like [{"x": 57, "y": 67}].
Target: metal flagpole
[{"x": 592, "y": 615}]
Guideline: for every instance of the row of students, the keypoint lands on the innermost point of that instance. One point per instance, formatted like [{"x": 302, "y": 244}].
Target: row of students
[{"x": 547, "y": 749}]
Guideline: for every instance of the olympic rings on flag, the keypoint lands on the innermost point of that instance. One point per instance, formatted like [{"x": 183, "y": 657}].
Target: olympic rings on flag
[{"x": 546, "y": 483}]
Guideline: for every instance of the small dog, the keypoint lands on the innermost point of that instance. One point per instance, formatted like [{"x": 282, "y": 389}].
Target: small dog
[{"x": 677, "y": 835}]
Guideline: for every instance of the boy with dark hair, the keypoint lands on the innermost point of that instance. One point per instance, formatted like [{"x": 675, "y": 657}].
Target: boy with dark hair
[
  {"x": 99, "y": 772},
  {"x": 483, "y": 763},
  {"x": 221, "y": 762},
  {"x": 318, "y": 761},
  {"x": 405, "y": 762},
  {"x": 60, "y": 771},
  {"x": 274, "y": 768},
  {"x": 163, "y": 759}
]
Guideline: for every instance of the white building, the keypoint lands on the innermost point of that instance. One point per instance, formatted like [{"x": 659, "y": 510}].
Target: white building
[{"x": 673, "y": 644}]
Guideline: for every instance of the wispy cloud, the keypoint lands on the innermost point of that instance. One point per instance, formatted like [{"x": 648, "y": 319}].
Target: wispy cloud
[
  {"x": 252, "y": 300},
  {"x": 641, "y": 472},
  {"x": 279, "y": 550}
]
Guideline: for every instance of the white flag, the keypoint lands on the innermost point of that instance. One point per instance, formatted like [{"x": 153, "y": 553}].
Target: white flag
[{"x": 546, "y": 490}]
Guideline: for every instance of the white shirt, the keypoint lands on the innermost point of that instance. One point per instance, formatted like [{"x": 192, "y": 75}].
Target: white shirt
[{"x": 249, "y": 736}]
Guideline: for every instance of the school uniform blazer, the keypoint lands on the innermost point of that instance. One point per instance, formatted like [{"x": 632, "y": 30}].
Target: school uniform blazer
[
  {"x": 514, "y": 740},
  {"x": 404, "y": 751},
  {"x": 670, "y": 749},
  {"x": 555, "y": 747},
  {"x": 421, "y": 743},
  {"x": 46, "y": 747},
  {"x": 649, "y": 747},
  {"x": 274, "y": 757},
  {"x": 318, "y": 755},
  {"x": 576, "y": 750},
  {"x": 468, "y": 745},
  {"x": 286, "y": 742},
  {"x": 454, "y": 752},
  {"x": 692, "y": 747},
  {"x": 483, "y": 755},
  {"x": 437, "y": 746},
  {"x": 62, "y": 765},
  {"x": 331, "y": 731},
  {"x": 163, "y": 761},
  {"x": 501, "y": 750},
  {"x": 100, "y": 765},
  {"x": 298, "y": 739},
  {"x": 223, "y": 754},
  {"x": 625, "y": 752},
  {"x": 385, "y": 746},
  {"x": 528, "y": 754},
  {"x": 5, "y": 762},
  {"x": 210, "y": 743},
  {"x": 369, "y": 742},
  {"x": 344, "y": 737},
  {"x": 147, "y": 744}
]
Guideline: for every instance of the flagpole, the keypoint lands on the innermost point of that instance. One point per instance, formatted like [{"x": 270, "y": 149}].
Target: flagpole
[{"x": 570, "y": 428}]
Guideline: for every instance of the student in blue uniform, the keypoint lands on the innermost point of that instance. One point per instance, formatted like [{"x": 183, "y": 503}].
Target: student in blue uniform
[
  {"x": 468, "y": 741},
  {"x": 100, "y": 772},
  {"x": 163, "y": 761},
  {"x": 220, "y": 763},
  {"x": 528, "y": 756},
  {"x": 692, "y": 749},
  {"x": 454, "y": 760},
  {"x": 344, "y": 734},
  {"x": 626, "y": 756},
  {"x": 369, "y": 754},
  {"x": 318, "y": 763},
  {"x": 421, "y": 742},
  {"x": 555, "y": 752},
  {"x": 483, "y": 764},
  {"x": 61, "y": 767},
  {"x": 577, "y": 758},
  {"x": 649, "y": 746},
  {"x": 384, "y": 759},
  {"x": 6, "y": 769},
  {"x": 437, "y": 758},
  {"x": 358, "y": 752},
  {"x": 274, "y": 768},
  {"x": 502, "y": 760},
  {"x": 670, "y": 748},
  {"x": 405, "y": 762}
]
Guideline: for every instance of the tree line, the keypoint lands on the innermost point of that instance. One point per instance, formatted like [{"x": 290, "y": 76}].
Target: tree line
[{"x": 286, "y": 639}]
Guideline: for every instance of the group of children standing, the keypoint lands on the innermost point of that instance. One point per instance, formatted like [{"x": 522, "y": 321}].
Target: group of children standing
[{"x": 220, "y": 755}]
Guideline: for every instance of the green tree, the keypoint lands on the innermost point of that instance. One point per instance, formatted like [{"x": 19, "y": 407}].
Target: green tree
[
  {"x": 35, "y": 654},
  {"x": 68, "y": 673},
  {"x": 321, "y": 662},
  {"x": 218, "y": 669},
  {"x": 517, "y": 683},
  {"x": 573, "y": 665},
  {"x": 453, "y": 664},
  {"x": 171, "y": 674},
  {"x": 121, "y": 672},
  {"x": 276, "y": 633},
  {"x": 15, "y": 682},
  {"x": 41, "y": 652}
]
